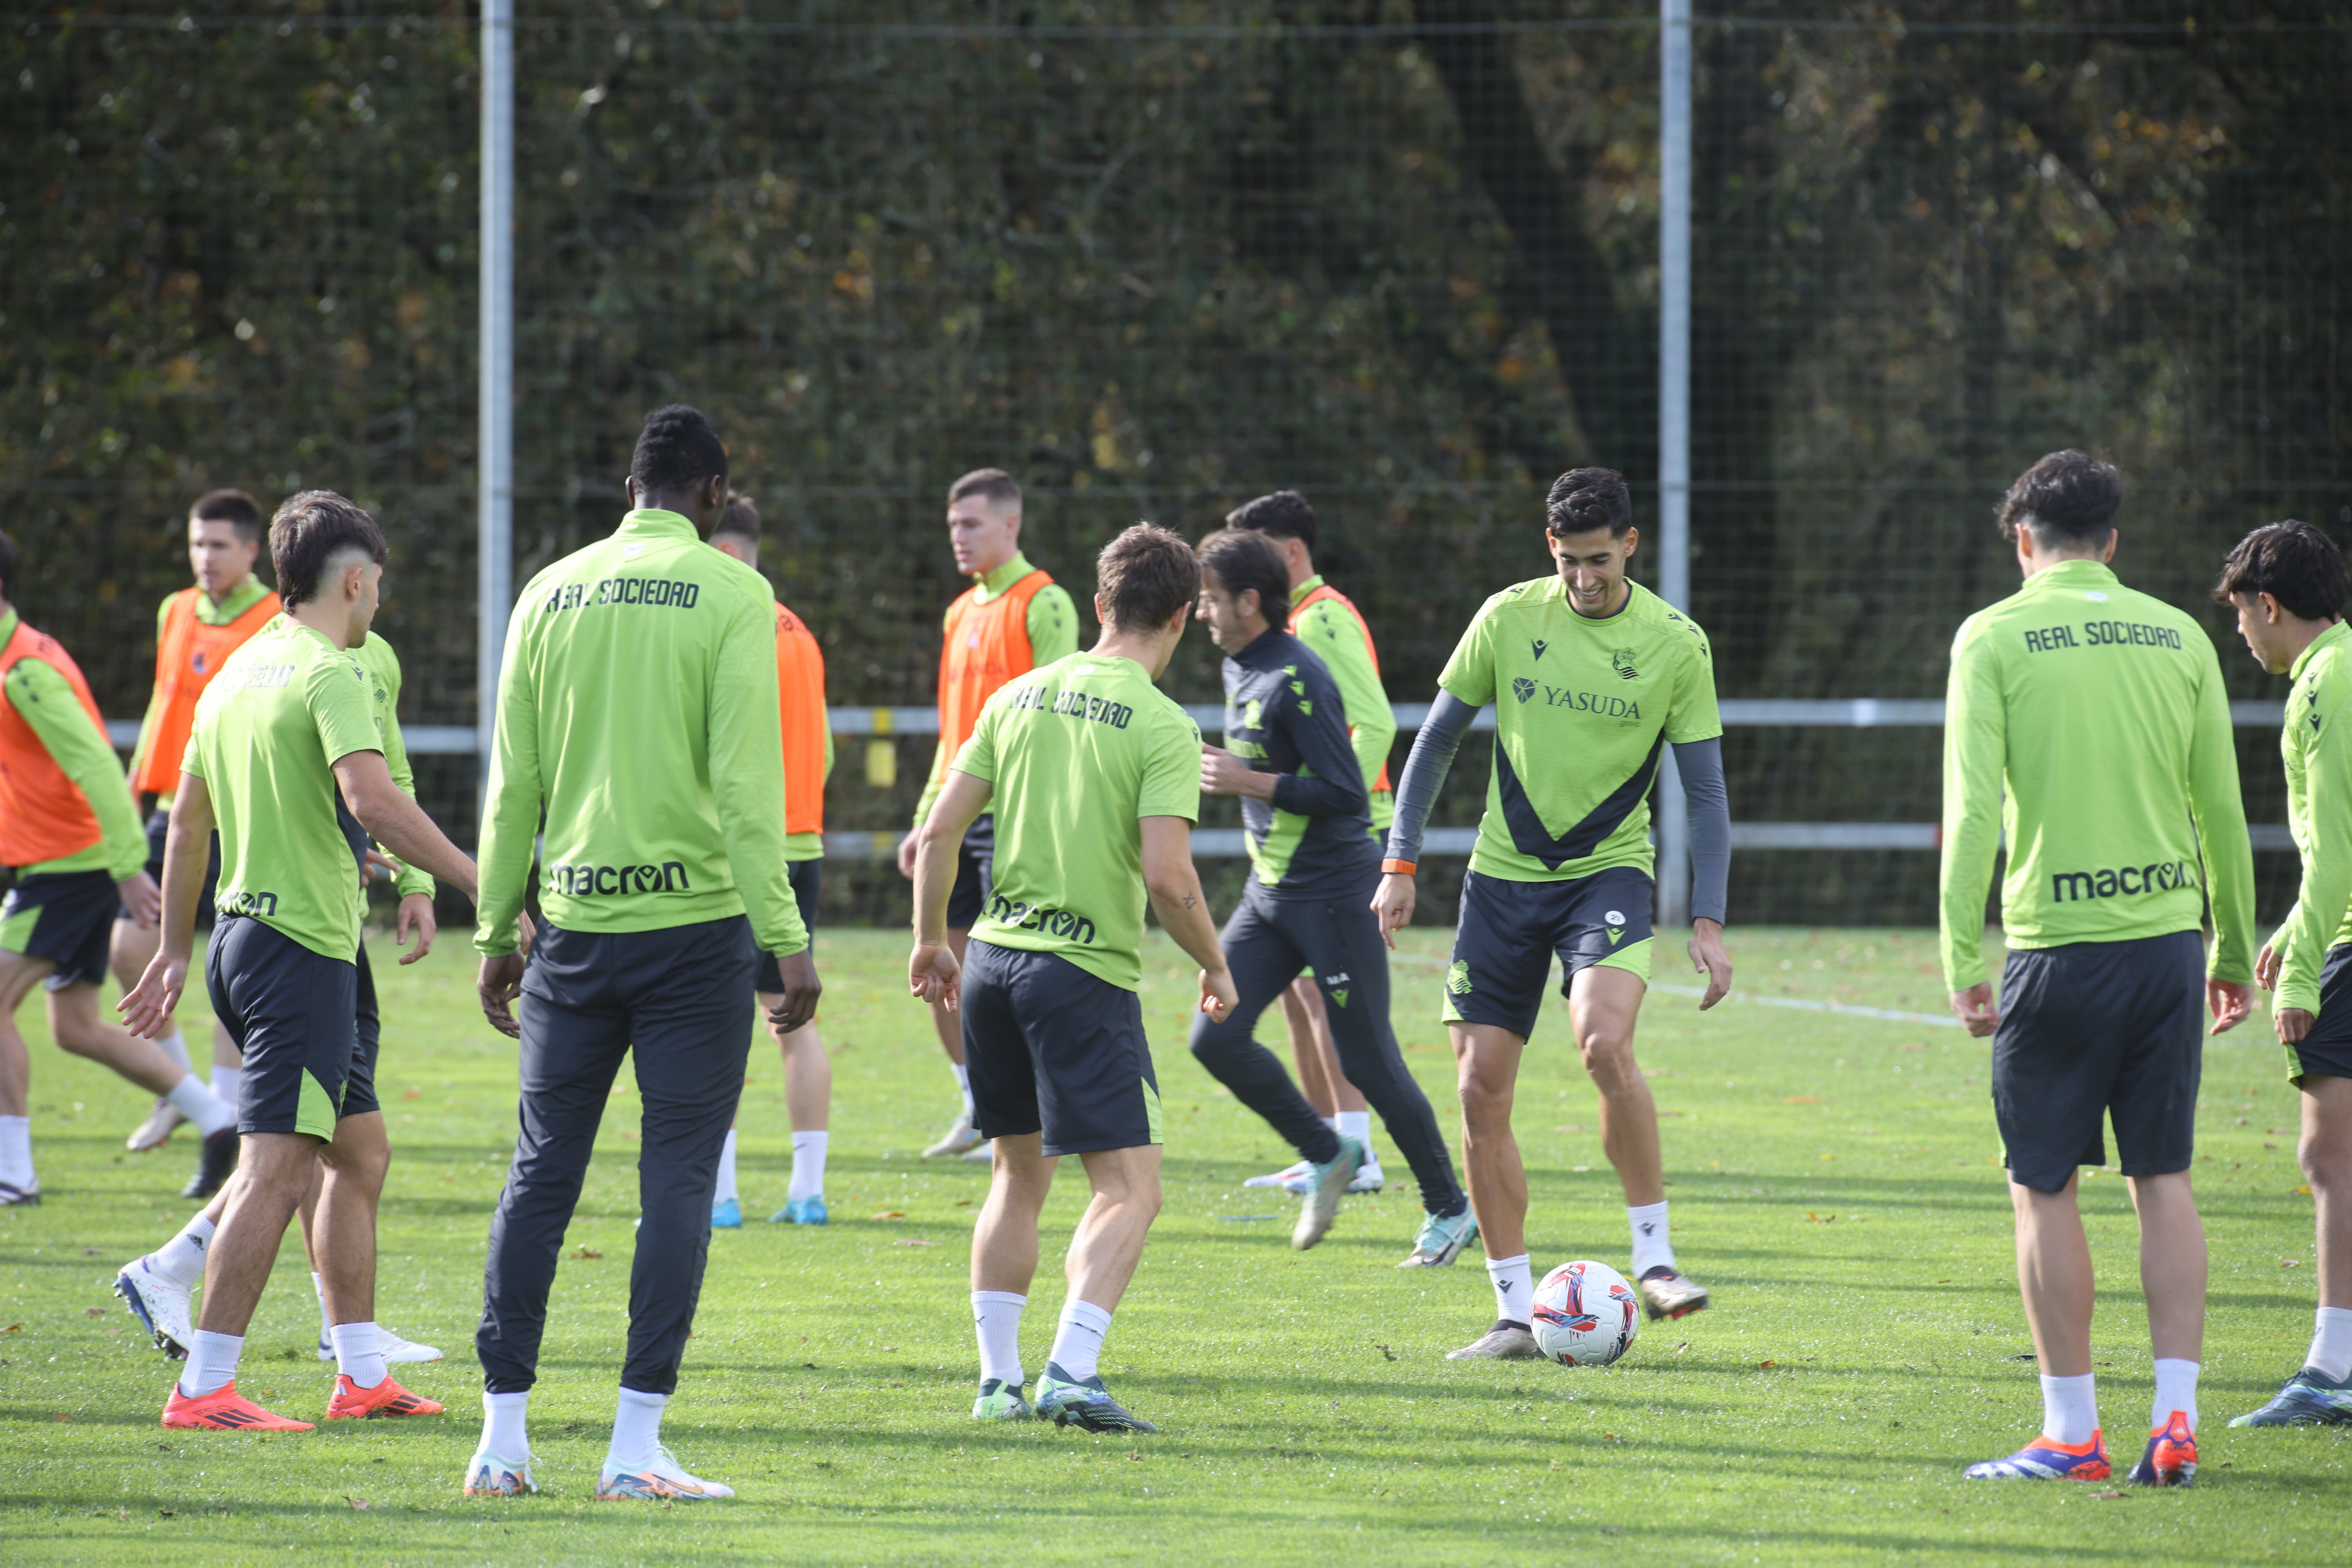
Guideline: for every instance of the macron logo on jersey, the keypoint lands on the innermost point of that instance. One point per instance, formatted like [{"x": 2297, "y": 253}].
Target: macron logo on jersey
[{"x": 2131, "y": 881}]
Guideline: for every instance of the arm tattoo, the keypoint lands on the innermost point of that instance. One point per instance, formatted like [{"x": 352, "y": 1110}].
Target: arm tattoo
[{"x": 1189, "y": 900}]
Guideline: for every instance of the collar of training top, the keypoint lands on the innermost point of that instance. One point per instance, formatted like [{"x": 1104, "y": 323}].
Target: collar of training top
[
  {"x": 654, "y": 521},
  {"x": 1268, "y": 643},
  {"x": 2328, "y": 639},
  {"x": 1305, "y": 588},
  {"x": 8, "y": 626},
  {"x": 2081, "y": 572},
  {"x": 995, "y": 582}
]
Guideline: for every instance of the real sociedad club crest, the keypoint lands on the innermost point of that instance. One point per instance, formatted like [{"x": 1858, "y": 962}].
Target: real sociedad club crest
[
  {"x": 1621, "y": 661},
  {"x": 199, "y": 662}
]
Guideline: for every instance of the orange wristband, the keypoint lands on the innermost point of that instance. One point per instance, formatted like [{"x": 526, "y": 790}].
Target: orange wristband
[{"x": 1399, "y": 867}]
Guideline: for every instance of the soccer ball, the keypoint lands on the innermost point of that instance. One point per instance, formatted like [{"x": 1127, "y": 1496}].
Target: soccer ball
[{"x": 1585, "y": 1314}]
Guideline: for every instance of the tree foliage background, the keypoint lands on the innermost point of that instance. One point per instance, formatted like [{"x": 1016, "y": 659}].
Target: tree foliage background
[{"x": 1159, "y": 256}]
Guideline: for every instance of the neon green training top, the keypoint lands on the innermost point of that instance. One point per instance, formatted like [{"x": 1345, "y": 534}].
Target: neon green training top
[
  {"x": 2315, "y": 743},
  {"x": 1583, "y": 707},
  {"x": 45, "y": 697},
  {"x": 638, "y": 703},
  {"x": 1339, "y": 642},
  {"x": 375, "y": 655},
  {"x": 1052, "y": 624},
  {"x": 1079, "y": 752},
  {"x": 2088, "y": 722},
  {"x": 268, "y": 730}
]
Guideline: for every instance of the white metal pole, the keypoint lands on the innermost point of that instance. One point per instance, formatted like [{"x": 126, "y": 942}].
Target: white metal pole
[
  {"x": 495, "y": 586},
  {"x": 1673, "y": 408}
]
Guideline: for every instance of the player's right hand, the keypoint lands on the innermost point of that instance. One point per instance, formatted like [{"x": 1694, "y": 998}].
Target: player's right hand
[
  {"x": 1974, "y": 1009},
  {"x": 142, "y": 898},
  {"x": 148, "y": 1006},
  {"x": 499, "y": 983},
  {"x": 934, "y": 975},
  {"x": 2266, "y": 967},
  {"x": 907, "y": 855},
  {"x": 2291, "y": 1024},
  {"x": 802, "y": 989},
  {"x": 1218, "y": 997},
  {"x": 1392, "y": 902}
]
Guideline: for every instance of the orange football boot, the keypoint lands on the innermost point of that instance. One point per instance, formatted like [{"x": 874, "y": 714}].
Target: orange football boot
[
  {"x": 352, "y": 1402},
  {"x": 224, "y": 1411}
]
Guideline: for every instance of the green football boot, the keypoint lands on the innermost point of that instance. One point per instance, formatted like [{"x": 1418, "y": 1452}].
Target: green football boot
[
  {"x": 1442, "y": 1240},
  {"x": 1001, "y": 1401},
  {"x": 2311, "y": 1398},
  {"x": 1067, "y": 1401}
]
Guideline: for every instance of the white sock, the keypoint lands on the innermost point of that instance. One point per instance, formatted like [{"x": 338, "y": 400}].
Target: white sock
[
  {"x": 1078, "y": 1339},
  {"x": 808, "y": 1167},
  {"x": 1356, "y": 1124},
  {"x": 1654, "y": 1243},
  {"x": 227, "y": 1082},
  {"x": 2069, "y": 1409},
  {"x": 2175, "y": 1389},
  {"x": 16, "y": 1150},
  {"x": 1514, "y": 1289},
  {"x": 996, "y": 1319},
  {"x": 726, "y": 1188},
  {"x": 503, "y": 1431},
  {"x": 212, "y": 1363},
  {"x": 963, "y": 1083},
  {"x": 2331, "y": 1343},
  {"x": 174, "y": 1046},
  {"x": 359, "y": 1353},
  {"x": 201, "y": 1105},
  {"x": 637, "y": 1431},
  {"x": 181, "y": 1260},
  {"x": 326, "y": 1323}
]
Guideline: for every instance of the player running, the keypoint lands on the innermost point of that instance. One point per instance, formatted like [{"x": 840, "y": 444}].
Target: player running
[
  {"x": 158, "y": 1289},
  {"x": 1094, "y": 776},
  {"x": 1591, "y": 677},
  {"x": 2286, "y": 581},
  {"x": 70, "y": 829},
  {"x": 808, "y": 765},
  {"x": 1324, "y": 620},
  {"x": 286, "y": 759},
  {"x": 637, "y": 708},
  {"x": 195, "y": 631},
  {"x": 2088, "y": 724},
  {"x": 1013, "y": 619},
  {"x": 1313, "y": 867}
]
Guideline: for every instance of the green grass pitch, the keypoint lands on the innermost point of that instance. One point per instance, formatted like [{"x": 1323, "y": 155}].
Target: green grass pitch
[{"x": 1833, "y": 1180}]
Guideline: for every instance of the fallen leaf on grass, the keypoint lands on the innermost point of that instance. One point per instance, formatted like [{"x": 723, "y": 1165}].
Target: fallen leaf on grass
[
  {"x": 913, "y": 1241},
  {"x": 1682, "y": 1347},
  {"x": 13, "y": 1328},
  {"x": 1610, "y": 1437},
  {"x": 2303, "y": 1191},
  {"x": 89, "y": 1252},
  {"x": 1812, "y": 1218},
  {"x": 60, "y": 1415},
  {"x": 93, "y": 1311},
  {"x": 894, "y": 1214},
  {"x": 587, "y": 1255},
  {"x": 1802, "y": 1100},
  {"x": 2290, "y": 1263},
  {"x": 2109, "y": 1496},
  {"x": 357, "y": 1503},
  {"x": 1766, "y": 1365},
  {"x": 412, "y": 1094},
  {"x": 963, "y": 1203}
]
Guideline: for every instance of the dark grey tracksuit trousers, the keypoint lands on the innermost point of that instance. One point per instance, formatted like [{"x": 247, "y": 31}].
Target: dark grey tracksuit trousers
[
  {"x": 682, "y": 999},
  {"x": 1268, "y": 942}
]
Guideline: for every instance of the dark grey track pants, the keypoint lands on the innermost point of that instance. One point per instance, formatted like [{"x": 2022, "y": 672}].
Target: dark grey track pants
[{"x": 682, "y": 999}]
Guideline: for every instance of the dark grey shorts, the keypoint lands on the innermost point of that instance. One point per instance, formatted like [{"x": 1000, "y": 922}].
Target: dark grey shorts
[
  {"x": 975, "y": 879},
  {"x": 2326, "y": 1051},
  {"x": 807, "y": 878},
  {"x": 1053, "y": 1049},
  {"x": 2097, "y": 1031}
]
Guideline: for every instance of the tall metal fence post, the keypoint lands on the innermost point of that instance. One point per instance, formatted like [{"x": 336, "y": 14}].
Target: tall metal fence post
[
  {"x": 495, "y": 585},
  {"x": 1674, "y": 409}
]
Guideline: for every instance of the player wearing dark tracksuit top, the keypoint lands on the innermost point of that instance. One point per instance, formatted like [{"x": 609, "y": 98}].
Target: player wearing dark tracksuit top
[{"x": 1306, "y": 905}]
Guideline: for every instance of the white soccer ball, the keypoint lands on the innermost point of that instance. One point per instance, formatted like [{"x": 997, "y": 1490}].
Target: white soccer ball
[{"x": 1585, "y": 1314}]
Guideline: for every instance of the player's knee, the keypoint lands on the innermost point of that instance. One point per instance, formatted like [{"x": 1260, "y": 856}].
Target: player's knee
[
  {"x": 1608, "y": 1058},
  {"x": 1483, "y": 1102}
]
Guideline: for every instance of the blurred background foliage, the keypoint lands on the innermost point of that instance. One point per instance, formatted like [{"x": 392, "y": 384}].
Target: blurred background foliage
[{"x": 1156, "y": 257}]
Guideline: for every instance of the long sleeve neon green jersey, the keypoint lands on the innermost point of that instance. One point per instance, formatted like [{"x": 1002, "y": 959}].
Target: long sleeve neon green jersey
[
  {"x": 638, "y": 703},
  {"x": 2315, "y": 744},
  {"x": 2089, "y": 723}
]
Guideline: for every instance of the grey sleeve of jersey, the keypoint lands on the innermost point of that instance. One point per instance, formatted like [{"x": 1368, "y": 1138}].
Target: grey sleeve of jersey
[
  {"x": 1424, "y": 771},
  {"x": 1700, "y": 763}
]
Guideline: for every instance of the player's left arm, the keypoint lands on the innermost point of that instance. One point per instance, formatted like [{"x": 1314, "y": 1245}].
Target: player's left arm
[
  {"x": 1976, "y": 751},
  {"x": 147, "y": 1008},
  {"x": 47, "y": 703},
  {"x": 1334, "y": 636},
  {"x": 1052, "y": 624},
  {"x": 2326, "y": 891},
  {"x": 1694, "y": 726},
  {"x": 2220, "y": 810}
]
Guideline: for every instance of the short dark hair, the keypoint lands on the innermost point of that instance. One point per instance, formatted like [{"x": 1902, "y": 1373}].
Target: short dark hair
[
  {"x": 1242, "y": 559},
  {"x": 676, "y": 448},
  {"x": 1285, "y": 514},
  {"x": 233, "y": 507},
  {"x": 309, "y": 531},
  {"x": 739, "y": 519},
  {"x": 1582, "y": 499},
  {"x": 1145, "y": 576},
  {"x": 2291, "y": 562},
  {"x": 8, "y": 567},
  {"x": 2067, "y": 498},
  {"x": 992, "y": 485}
]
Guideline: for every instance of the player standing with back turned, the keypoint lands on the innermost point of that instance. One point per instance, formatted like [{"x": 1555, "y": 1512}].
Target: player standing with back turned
[
  {"x": 2286, "y": 581},
  {"x": 1093, "y": 773},
  {"x": 2088, "y": 722},
  {"x": 1591, "y": 675},
  {"x": 1013, "y": 619},
  {"x": 637, "y": 708}
]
